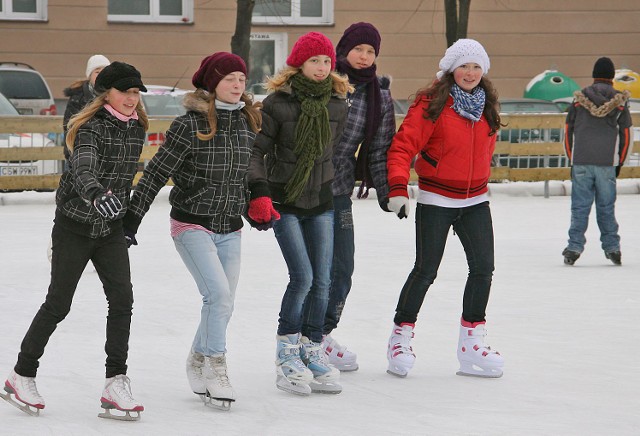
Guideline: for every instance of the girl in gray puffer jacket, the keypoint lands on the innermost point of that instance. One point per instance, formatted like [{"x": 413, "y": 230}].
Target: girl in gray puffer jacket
[{"x": 290, "y": 178}]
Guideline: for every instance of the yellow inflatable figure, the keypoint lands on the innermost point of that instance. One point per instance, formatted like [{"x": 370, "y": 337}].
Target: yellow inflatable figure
[{"x": 627, "y": 80}]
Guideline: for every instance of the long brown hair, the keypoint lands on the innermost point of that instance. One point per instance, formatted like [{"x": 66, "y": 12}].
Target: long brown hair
[
  {"x": 341, "y": 84},
  {"x": 251, "y": 110},
  {"x": 438, "y": 92},
  {"x": 79, "y": 119}
]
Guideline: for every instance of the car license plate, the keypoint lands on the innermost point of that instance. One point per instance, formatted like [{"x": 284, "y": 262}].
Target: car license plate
[{"x": 18, "y": 170}]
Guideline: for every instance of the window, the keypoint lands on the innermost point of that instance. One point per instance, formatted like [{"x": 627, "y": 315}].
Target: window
[
  {"x": 293, "y": 12},
  {"x": 23, "y": 10},
  {"x": 151, "y": 11},
  {"x": 268, "y": 55}
]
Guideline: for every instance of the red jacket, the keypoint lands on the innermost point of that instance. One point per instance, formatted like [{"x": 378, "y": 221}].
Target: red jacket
[{"x": 454, "y": 153}]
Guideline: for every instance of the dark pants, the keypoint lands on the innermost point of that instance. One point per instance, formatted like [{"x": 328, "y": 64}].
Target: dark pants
[
  {"x": 474, "y": 227},
  {"x": 343, "y": 260},
  {"x": 71, "y": 253}
]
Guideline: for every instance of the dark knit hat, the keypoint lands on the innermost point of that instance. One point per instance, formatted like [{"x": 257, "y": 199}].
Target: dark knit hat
[
  {"x": 356, "y": 34},
  {"x": 603, "y": 69},
  {"x": 120, "y": 76},
  {"x": 309, "y": 45},
  {"x": 213, "y": 68}
]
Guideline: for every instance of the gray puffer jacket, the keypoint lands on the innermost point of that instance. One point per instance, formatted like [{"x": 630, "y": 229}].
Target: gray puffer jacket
[{"x": 273, "y": 160}]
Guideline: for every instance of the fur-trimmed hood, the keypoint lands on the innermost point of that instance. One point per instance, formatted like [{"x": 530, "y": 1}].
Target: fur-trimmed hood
[
  {"x": 197, "y": 101},
  {"x": 601, "y": 99}
]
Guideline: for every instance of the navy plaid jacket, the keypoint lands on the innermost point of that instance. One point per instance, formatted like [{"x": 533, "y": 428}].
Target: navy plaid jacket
[{"x": 344, "y": 157}]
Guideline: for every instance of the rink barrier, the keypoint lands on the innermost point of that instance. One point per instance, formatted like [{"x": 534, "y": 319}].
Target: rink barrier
[{"x": 544, "y": 153}]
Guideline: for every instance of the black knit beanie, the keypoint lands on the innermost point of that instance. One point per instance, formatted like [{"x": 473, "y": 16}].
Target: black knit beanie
[{"x": 603, "y": 69}]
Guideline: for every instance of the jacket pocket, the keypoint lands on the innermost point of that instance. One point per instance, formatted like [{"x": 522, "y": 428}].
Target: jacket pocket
[{"x": 433, "y": 162}]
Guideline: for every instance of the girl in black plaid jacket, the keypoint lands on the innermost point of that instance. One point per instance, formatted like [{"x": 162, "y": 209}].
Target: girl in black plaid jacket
[{"x": 105, "y": 141}]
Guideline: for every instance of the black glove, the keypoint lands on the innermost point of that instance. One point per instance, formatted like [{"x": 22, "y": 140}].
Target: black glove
[
  {"x": 130, "y": 237},
  {"x": 618, "y": 168},
  {"x": 107, "y": 205}
]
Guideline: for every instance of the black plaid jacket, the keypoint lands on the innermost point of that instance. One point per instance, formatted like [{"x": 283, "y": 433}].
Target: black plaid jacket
[
  {"x": 209, "y": 176},
  {"x": 105, "y": 157}
]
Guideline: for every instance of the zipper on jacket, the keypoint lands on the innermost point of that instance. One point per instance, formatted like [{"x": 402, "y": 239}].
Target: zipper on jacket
[{"x": 472, "y": 155}]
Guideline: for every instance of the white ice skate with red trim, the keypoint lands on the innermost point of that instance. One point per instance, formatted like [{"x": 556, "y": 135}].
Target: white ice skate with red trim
[
  {"x": 22, "y": 393},
  {"x": 117, "y": 398},
  {"x": 399, "y": 352},
  {"x": 343, "y": 359},
  {"x": 476, "y": 358}
]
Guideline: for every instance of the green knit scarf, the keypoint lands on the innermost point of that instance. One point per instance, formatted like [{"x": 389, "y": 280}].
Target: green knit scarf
[{"x": 313, "y": 131}]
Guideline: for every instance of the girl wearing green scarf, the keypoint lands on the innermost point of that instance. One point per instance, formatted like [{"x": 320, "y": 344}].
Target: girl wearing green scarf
[{"x": 290, "y": 177}]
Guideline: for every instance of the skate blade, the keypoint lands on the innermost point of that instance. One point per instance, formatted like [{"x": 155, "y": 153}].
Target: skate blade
[
  {"x": 325, "y": 388},
  {"x": 126, "y": 417},
  {"x": 346, "y": 367},
  {"x": 26, "y": 408},
  {"x": 286, "y": 385},
  {"x": 480, "y": 374},
  {"x": 219, "y": 403}
]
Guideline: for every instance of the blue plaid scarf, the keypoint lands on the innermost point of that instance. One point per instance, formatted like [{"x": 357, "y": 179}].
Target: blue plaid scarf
[{"x": 468, "y": 105}]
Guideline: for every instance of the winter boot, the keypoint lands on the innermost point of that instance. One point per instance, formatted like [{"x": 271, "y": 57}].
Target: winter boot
[
  {"x": 220, "y": 394},
  {"x": 399, "y": 352},
  {"x": 570, "y": 256},
  {"x": 25, "y": 394},
  {"x": 325, "y": 376},
  {"x": 291, "y": 373},
  {"x": 615, "y": 257},
  {"x": 195, "y": 363},
  {"x": 475, "y": 357},
  {"x": 339, "y": 356},
  {"x": 117, "y": 396}
]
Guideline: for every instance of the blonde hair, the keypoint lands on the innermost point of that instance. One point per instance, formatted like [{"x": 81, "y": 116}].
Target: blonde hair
[
  {"x": 341, "y": 84},
  {"x": 79, "y": 119},
  {"x": 251, "y": 111}
]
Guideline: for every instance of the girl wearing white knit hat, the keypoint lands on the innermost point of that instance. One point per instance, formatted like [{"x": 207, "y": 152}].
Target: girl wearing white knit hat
[{"x": 451, "y": 127}]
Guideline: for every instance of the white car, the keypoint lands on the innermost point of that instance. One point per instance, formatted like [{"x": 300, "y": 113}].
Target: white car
[
  {"x": 24, "y": 168},
  {"x": 162, "y": 101}
]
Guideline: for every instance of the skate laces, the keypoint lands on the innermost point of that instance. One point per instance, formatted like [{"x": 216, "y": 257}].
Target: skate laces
[
  {"x": 219, "y": 367},
  {"x": 401, "y": 341},
  {"x": 29, "y": 384},
  {"x": 122, "y": 387}
]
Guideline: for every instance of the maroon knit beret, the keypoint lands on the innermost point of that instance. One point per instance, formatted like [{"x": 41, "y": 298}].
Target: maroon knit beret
[
  {"x": 356, "y": 34},
  {"x": 309, "y": 45},
  {"x": 213, "y": 69}
]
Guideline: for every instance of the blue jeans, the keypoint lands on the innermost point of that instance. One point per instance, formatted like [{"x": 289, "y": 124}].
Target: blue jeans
[
  {"x": 343, "y": 260},
  {"x": 474, "y": 228},
  {"x": 589, "y": 182},
  {"x": 214, "y": 262},
  {"x": 306, "y": 242}
]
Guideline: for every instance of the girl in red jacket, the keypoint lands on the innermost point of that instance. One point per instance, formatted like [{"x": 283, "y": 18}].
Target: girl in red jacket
[{"x": 451, "y": 126}]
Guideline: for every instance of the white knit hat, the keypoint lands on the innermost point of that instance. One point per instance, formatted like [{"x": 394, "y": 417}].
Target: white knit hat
[
  {"x": 96, "y": 61},
  {"x": 464, "y": 51}
]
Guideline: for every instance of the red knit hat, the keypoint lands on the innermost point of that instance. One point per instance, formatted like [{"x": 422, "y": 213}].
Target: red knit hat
[
  {"x": 213, "y": 69},
  {"x": 309, "y": 45}
]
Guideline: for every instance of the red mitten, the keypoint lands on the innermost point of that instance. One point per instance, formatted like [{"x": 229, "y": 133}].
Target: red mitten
[{"x": 261, "y": 210}]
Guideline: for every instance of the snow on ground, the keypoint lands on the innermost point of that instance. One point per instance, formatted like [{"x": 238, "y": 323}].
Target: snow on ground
[{"x": 566, "y": 332}]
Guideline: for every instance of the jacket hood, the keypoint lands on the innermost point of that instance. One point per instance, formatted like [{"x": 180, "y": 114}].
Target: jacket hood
[
  {"x": 600, "y": 99},
  {"x": 75, "y": 90},
  {"x": 197, "y": 101}
]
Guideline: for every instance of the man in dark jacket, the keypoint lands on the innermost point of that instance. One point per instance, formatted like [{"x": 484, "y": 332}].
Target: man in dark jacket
[{"x": 597, "y": 139}]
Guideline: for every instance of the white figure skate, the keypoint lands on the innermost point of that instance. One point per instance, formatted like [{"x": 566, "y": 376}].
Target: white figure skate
[
  {"x": 117, "y": 397},
  {"x": 476, "y": 358},
  {"x": 220, "y": 394},
  {"x": 399, "y": 352},
  {"x": 325, "y": 376},
  {"x": 195, "y": 363},
  {"x": 343, "y": 359},
  {"x": 291, "y": 373},
  {"x": 22, "y": 393}
]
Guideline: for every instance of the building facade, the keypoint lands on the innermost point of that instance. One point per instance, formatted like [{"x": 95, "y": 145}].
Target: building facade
[{"x": 166, "y": 39}]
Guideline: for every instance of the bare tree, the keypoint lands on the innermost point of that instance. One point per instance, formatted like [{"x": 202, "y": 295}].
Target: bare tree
[
  {"x": 240, "y": 41},
  {"x": 456, "y": 19}
]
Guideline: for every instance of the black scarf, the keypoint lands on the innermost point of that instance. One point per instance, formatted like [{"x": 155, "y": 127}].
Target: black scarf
[{"x": 367, "y": 77}]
